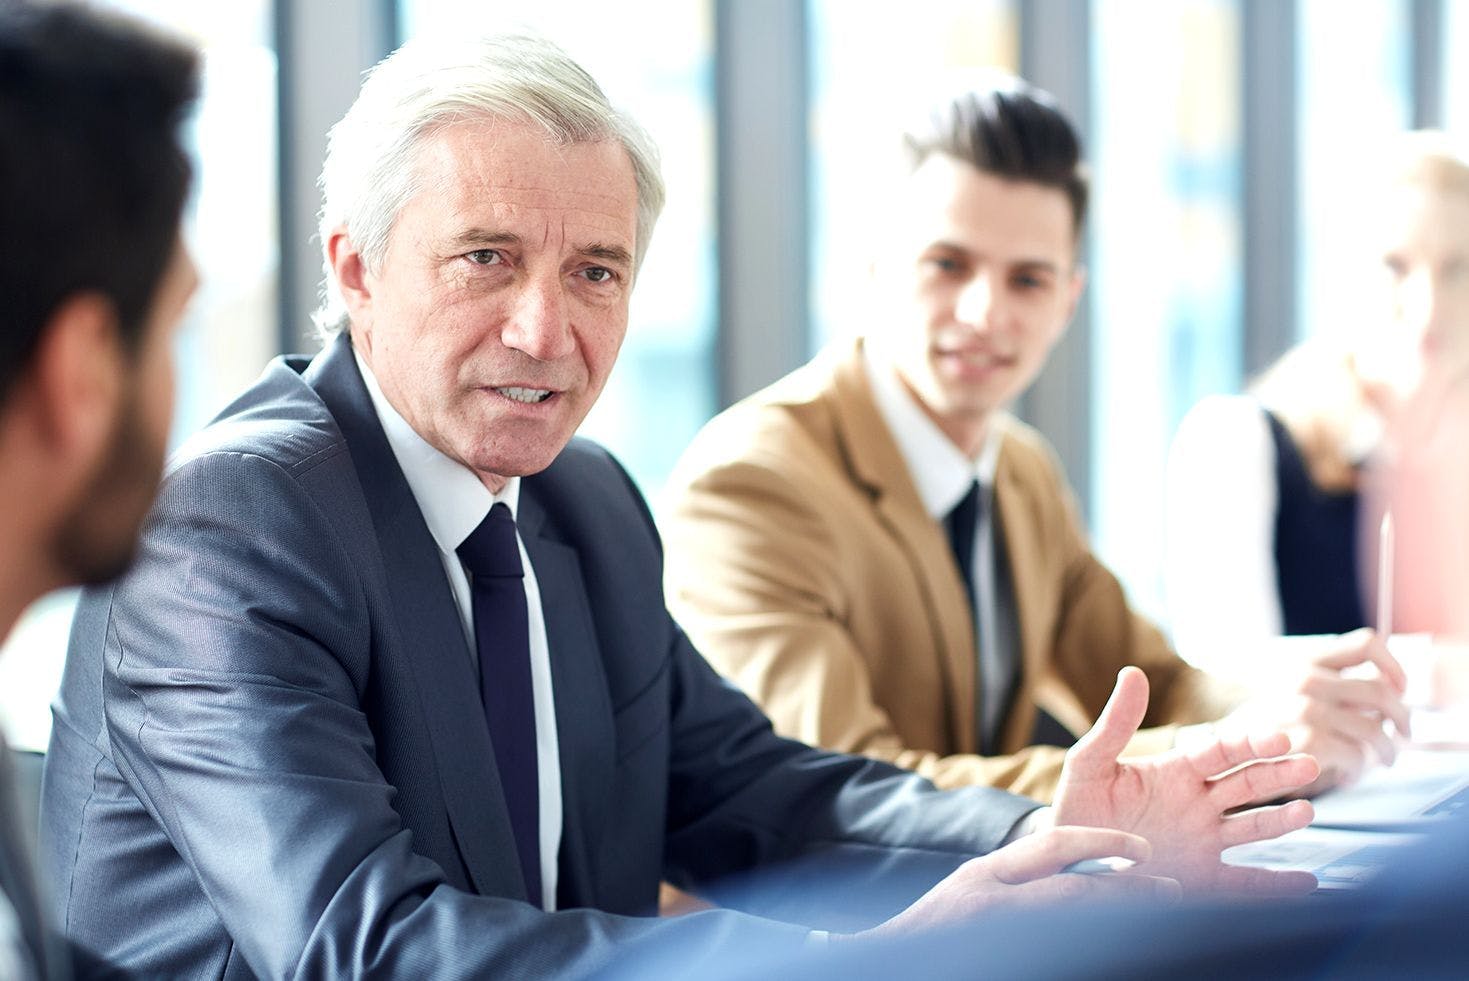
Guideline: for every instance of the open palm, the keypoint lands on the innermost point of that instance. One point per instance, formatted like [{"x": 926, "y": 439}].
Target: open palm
[{"x": 1181, "y": 802}]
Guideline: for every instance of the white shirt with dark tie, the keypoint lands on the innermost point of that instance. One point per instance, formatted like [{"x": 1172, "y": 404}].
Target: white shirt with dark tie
[
  {"x": 454, "y": 502},
  {"x": 943, "y": 474}
]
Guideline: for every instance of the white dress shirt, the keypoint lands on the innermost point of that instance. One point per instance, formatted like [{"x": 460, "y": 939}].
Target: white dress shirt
[
  {"x": 942, "y": 474},
  {"x": 454, "y": 502}
]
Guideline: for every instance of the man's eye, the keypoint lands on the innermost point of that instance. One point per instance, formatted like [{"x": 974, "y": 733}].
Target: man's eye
[
  {"x": 598, "y": 274},
  {"x": 944, "y": 264},
  {"x": 484, "y": 257}
]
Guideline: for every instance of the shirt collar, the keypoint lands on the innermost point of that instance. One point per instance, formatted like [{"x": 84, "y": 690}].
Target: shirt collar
[
  {"x": 940, "y": 471},
  {"x": 450, "y": 495}
]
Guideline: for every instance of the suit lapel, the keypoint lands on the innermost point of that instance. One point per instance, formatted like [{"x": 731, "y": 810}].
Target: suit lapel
[
  {"x": 425, "y": 630},
  {"x": 877, "y": 463},
  {"x": 584, "y": 726}
]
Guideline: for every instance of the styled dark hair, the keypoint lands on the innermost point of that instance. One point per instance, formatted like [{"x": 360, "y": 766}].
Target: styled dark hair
[
  {"x": 1008, "y": 128},
  {"x": 93, "y": 178}
]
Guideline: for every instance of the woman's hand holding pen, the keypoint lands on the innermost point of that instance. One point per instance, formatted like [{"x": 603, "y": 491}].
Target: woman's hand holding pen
[{"x": 1344, "y": 716}]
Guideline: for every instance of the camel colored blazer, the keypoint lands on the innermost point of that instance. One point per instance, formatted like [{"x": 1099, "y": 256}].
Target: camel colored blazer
[{"x": 802, "y": 563}]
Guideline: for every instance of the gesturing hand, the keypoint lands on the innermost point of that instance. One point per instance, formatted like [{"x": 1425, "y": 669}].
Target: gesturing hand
[
  {"x": 1028, "y": 871},
  {"x": 1179, "y": 801}
]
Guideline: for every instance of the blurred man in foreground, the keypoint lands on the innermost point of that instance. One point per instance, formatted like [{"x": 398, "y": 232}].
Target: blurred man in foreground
[{"x": 93, "y": 280}]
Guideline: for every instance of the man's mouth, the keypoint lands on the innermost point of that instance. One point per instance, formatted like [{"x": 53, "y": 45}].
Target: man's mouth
[
  {"x": 528, "y": 396},
  {"x": 976, "y": 358}
]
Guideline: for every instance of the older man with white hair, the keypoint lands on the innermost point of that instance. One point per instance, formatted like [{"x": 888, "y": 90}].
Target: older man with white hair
[{"x": 392, "y": 690}]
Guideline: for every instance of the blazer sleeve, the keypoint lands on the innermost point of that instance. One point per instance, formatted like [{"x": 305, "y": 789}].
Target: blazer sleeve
[
  {"x": 825, "y": 839},
  {"x": 755, "y": 573},
  {"x": 235, "y": 670}
]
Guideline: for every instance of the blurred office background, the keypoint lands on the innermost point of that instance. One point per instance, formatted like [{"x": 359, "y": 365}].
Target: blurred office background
[{"x": 1221, "y": 135}]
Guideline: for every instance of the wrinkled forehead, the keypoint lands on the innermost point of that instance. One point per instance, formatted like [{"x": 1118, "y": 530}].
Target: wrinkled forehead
[{"x": 480, "y": 165}]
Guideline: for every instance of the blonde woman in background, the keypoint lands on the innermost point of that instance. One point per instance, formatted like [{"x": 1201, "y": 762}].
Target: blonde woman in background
[{"x": 1270, "y": 529}]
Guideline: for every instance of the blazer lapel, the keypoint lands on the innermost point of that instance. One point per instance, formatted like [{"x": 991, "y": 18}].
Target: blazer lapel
[
  {"x": 584, "y": 727},
  {"x": 877, "y": 463},
  {"x": 428, "y": 633}
]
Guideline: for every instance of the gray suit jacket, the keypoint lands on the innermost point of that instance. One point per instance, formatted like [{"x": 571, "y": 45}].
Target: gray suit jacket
[
  {"x": 270, "y": 759},
  {"x": 23, "y": 941}
]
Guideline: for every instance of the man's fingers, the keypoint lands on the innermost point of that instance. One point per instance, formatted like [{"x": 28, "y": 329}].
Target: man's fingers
[
  {"x": 1264, "y": 823},
  {"x": 1048, "y": 852},
  {"x": 1265, "y": 780},
  {"x": 1122, "y": 885},
  {"x": 1026, "y": 872},
  {"x": 1116, "y": 885},
  {"x": 1361, "y": 647},
  {"x": 1226, "y": 754},
  {"x": 1117, "y": 724},
  {"x": 1249, "y": 881}
]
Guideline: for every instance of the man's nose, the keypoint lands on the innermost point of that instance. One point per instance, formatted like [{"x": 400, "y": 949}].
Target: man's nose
[
  {"x": 976, "y": 305},
  {"x": 540, "y": 324}
]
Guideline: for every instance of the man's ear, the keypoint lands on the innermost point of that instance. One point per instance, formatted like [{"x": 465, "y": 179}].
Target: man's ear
[
  {"x": 350, "y": 270},
  {"x": 78, "y": 378}
]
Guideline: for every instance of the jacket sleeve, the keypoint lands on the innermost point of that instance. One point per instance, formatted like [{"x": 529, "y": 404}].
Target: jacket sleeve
[{"x": 856, "y": 839}]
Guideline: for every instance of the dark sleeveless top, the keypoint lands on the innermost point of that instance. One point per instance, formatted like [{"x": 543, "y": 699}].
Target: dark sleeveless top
[{"x": 1316, "y": 554}]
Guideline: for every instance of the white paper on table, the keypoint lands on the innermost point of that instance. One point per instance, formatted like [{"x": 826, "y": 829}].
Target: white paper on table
[
  {"x": 1421, "y": 788},
  {"x": 1441, "y": 727},
  {"x": 1339, "y": 859}
]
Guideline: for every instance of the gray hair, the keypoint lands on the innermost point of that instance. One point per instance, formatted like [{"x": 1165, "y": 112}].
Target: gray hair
[{"x": 369, "y": 174}]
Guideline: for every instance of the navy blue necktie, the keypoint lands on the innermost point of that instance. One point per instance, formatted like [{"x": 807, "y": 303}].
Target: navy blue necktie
[
  {"x": 998, "y": 665},
  {"x": 960, "y": 524},
  {"x": 502, "y": 635}
]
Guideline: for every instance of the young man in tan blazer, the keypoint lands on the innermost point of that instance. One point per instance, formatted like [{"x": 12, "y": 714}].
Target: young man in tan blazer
[{"x": 808, "y": 528}]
